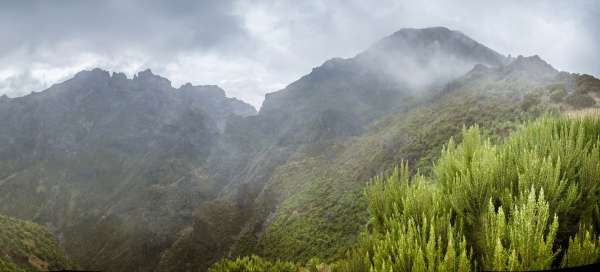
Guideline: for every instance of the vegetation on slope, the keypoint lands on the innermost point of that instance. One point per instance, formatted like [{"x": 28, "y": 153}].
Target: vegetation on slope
[
  {"x": 323, "y": 208},
  {"x": 25, "y": 246},
  {"x": 530, "y": 202}
]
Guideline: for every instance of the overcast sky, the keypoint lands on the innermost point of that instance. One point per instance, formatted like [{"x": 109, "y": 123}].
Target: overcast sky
[{"x": 250, "y": 48}]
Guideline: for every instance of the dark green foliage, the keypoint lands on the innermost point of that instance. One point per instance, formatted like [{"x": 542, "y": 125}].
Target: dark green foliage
[
  {"x": 513, "y": 206},
  {"x": 25, "y": 246},
  {"x": 580, "y": 100}
]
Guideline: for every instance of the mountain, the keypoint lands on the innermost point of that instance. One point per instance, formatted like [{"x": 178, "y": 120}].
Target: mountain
[
  {"x": 396, "y": 73},
  {"x": 135, "y": 175},
  {"x": 121, "y": 160}
]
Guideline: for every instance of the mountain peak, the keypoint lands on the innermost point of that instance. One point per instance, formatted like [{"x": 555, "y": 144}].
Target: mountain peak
[
  {"x": 425, "y": 42},
  {"x": 95, "y": 73},
  {"x": 152, "y": 79},
  {"x": 440, "y": 30},
  {"x": 533, "y": 65}
]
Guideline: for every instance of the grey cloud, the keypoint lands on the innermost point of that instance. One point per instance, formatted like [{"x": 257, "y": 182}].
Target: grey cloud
[
  {"x": 110, "y": 25},
  {"x": 251, "y": 47},
  {"x": 21, "y": 84}
]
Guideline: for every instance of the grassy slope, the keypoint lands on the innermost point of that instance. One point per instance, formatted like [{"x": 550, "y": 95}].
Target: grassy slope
[
  {"x": 25, "y": 246},
  {"x": 320, "y": 189},
  {"x": 324, "y": 207}
]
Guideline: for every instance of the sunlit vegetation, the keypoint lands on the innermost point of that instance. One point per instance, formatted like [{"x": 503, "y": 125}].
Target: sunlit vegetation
[{"x": 529, "y": 202}]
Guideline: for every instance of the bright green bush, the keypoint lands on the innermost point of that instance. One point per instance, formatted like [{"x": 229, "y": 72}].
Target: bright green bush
[
  {"x": 583, "y": 249},
  {"x": 530, "y": 202},
  {"x": 522, "y": 242},
  {"x": 512, "y": 206}
]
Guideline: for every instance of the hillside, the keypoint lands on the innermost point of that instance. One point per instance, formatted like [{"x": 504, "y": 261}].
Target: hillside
[
  {"x": 28, "y": 247},
  {"x": 320, "y": 193},
  {"x": 529, "y": 202}
]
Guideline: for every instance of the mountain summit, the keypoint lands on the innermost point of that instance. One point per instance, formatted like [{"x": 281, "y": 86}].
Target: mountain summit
[{"x": 395, "y": 73}]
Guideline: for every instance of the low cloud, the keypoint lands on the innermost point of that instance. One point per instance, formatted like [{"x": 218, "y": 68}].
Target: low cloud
[{"x": 253, "y": 47}]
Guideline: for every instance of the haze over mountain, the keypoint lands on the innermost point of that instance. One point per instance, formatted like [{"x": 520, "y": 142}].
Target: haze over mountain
[
  {"x": 135, "y": 175},
  {"x": 252, "y": 48}
]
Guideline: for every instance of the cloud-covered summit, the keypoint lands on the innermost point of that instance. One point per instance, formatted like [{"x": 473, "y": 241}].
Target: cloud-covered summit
[{"x": 253, "y": 47}]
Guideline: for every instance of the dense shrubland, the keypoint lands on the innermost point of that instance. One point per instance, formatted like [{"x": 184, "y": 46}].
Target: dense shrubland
[
  {"x": 26, "y": 246},
  {"x": 530, "y": 202}
]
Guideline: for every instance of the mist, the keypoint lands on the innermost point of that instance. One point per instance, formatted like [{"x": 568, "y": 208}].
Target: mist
[{"x": 250, "y": 48}]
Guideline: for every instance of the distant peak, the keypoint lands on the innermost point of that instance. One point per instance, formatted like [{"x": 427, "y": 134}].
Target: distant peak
[
  {"x": 151, "y": 78},
  {"x": 532, "y": 61},
  {"x": 144, "y": 74},
  {"x": 438, "y": 29},
  {"x": 94, "y": 73},
  {"x": 425, "y": 43},
  {"x": 428, "y": 33}
]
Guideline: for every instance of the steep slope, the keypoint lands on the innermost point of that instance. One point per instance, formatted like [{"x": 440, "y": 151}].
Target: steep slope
[
  {"x": 114, "y": 166},
  {"x": 320, "y": 210},
  {"x": 339, "y": 97},
  {"x": 26, "y": 246}
]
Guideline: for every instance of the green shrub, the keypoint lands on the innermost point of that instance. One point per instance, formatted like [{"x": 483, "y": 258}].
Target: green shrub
[
  {"x": 522, "y": 242},
  {"x": 583, "y": 249},
  {"x": 529, "y": 202},
  {"x": 512, "y": 206}
]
